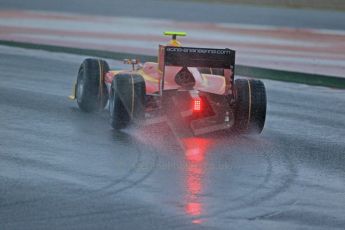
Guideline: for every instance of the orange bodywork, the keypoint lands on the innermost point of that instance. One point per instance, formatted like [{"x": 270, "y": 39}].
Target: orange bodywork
[{"x": 150, "y": 72}]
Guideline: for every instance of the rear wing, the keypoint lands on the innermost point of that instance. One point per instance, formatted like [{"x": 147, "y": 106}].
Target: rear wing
[{"x": 198, "y": 57}]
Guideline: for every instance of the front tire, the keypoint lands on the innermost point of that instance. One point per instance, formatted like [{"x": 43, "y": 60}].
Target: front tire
[
  {"x": 251, "y": 105},
  {"x": 127, "y": 100},
  {"x": 91, "y": 90}
]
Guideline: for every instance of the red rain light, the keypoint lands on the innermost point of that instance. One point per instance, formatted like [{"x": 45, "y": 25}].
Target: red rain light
[{"x": 197, "y": 104}]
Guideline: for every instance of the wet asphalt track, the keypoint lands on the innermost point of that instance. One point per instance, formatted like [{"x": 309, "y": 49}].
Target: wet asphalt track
[{"x": 62, "y": 169}]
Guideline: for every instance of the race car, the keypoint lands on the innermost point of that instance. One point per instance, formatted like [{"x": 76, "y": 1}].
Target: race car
[{"x": 196, "y": 83}]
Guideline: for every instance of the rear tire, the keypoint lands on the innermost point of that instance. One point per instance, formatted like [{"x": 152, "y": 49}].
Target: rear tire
[
  {"x": 251, "y": 105},
  {"x": 91, "y": 90},
  {"x": 127, "y": 100}
]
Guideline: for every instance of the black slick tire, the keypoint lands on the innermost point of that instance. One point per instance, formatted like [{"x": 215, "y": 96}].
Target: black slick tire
[
  {"x": 251, "y": 105},
  {"x": 91, "y": 91},
  {"x": 127, "y": 100}
]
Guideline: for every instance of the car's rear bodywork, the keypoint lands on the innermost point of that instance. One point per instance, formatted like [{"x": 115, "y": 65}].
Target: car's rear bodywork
[{"x": 195, "y": 86}]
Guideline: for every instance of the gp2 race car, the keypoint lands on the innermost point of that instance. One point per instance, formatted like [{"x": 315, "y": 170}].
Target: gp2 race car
[{"x": 196, "y": 83}]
